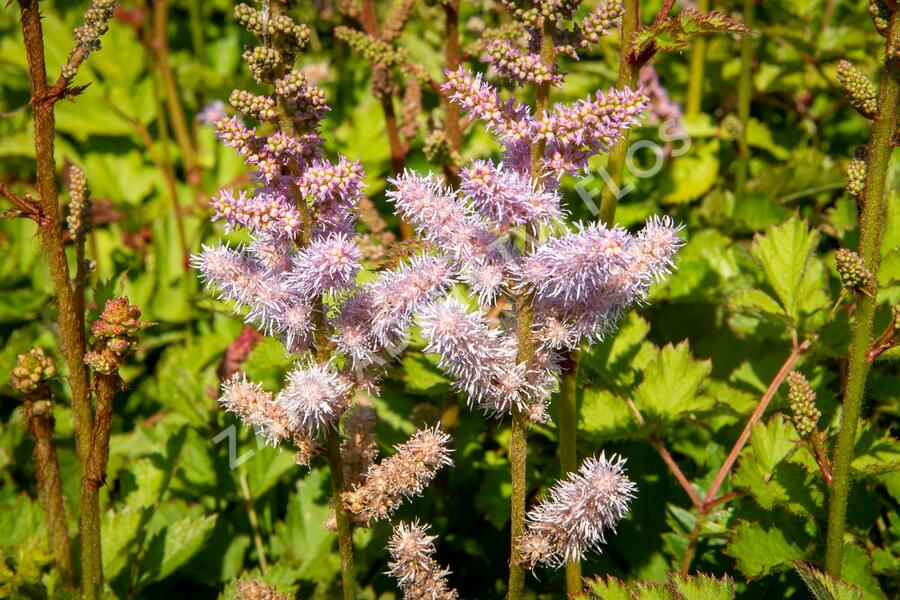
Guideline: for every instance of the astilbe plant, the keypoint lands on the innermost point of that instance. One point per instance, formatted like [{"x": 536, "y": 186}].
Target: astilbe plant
[
  {"x": 532, "y": 296},
  {"x": 296, "y": 279}
]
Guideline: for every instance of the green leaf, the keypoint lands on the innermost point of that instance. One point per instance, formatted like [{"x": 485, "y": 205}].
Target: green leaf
[
  {"x": 691, "y": 175},
  {"x": 858, "y": 570},
  {"x": 605, "y": 415},
  {"x": 784, "y": 252},
  {"x": 609, "y": 589},
  {"x": 119, "y": 530},
  {"x": 674, "y": 33},
  {"x": 825, "y": 587},
  {"x": 301, "y": 537},
  {"x": 619, "y": 355},
  {"x": 758, "y": 304},
  {"x": 702, "y": 587},
  {"x": 679, "y": 587},
  {"x": 875, "y": 454},
  {"x": 671, "y": 384},
  {"x": 174, "y": 545},
  {"x": 760, "y": 550},
  {"x": 765, "y": 471},
  {"x": 422, "y": 375}
]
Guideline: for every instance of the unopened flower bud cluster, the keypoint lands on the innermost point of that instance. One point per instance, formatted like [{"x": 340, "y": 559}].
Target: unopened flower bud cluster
[
  {"x": 115, "y": 334},
  {"x": 33, "y": 369},
  {"x": 78, "y": 221},
  {"x": 804, "y": 413}
]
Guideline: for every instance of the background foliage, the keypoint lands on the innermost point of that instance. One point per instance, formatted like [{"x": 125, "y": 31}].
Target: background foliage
[{"x": 757, "y": 269}]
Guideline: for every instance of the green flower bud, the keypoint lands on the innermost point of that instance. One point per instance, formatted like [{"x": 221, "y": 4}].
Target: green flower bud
[
  {"x": 856, "y": 177},
  {"x": 805, "y": 415},
  {"x": 78, "y": 221},
  {"x": 852, "y": 270},
  {"x": 858, "y": 89}
]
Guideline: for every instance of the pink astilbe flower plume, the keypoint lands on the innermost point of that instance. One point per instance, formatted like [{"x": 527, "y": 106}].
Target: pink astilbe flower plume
[
  {"x": 403, "y": 475},
  {"x": 314, "y": 397},
  {"x": 482, "y": 360},
  {"x": 267, "y": 211},
  {"x": 378, "y": 315},
  {"x": 574, "y": 266},
  {"x": 509, "y": 120},
  {"x": 418, "y": 575},
  {"x": 468, "y": 349},
  {"x": 398, "y": 295},
  {"x": 326, "y": 265},
  {"x": 440, "y": 216},
  {"x": 578, "y": 513},
  {"x": 507, "y": 197},
  {"x": 255, "y": 406}
]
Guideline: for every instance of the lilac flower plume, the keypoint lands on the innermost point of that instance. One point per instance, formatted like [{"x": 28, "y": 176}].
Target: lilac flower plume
[
  {"x": 573, "y": 132},
  {"x": 418, "y": 575},
  {"x": 327, "y": 264},
  {"x": 578, "y": 513},
  {"x": 314, "y": 397},
  {"x": 403, "y": 475}
]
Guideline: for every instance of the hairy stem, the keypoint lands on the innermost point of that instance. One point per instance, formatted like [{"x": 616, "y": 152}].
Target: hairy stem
[
  {"x": 871, "y": 225},
  {"x": 518, "y": 445},
  {"x": 745, "y": 94},
  {"x": 344, "y": 528},
  {"x": 754, "y": 418},
  {"x": 39, "y": 413},
  {"x": 451, "y": 63},
  {"x": 106, "y": 387},
  {"x": 568, "y": 439},
  {"x": 628, "y": 74},
  {"x": 254, "y": 523},
  {"x": 697, "y": 68},
  {"x": 71, "y": 321},
  {"x": 323, "y": 354}
]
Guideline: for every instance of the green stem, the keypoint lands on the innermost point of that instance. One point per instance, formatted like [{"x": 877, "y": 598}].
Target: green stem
[
  {"x": 871, "y": 225},
  {"x": 518, "y": 444},
  {"x": 628, "y": 74},
  {"x": 344, "y": 528},
  {"x": 173, "y": 98},
  {"x": 253, "y": 517},
  {"x": 697, "y": 69},
  {"x": 568, "y": 438},
  {"x": 745, "y": 94},
  {"x": 323, "y": 354}
]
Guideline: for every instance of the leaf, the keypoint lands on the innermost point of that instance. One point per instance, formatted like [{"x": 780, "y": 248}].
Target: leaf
[
  {"x": 118, "y": 531},
  {"x": 765, "y": 471},
  {"x": 702, "y": 587},
  {"x": 691, "y": 175},
  {"x": 674, "y": 32},
  {"x": 174, "y": 545},
  {"x": 615, "y": 358},
  {"x": 858, "y": 570},
  {"x": 422, "y": 375},
  {"x": 679, "y": 587},
  {"x": 301, "y": 537},
  {"x": 759, "y": 550},
  {"x": 784, "y": 252},
  {"x": 825, "y": 587},
  {"x": 758, "y": 304},
  {"x": 671, "y": 384},
  {"x": 605, "y": 415},
  {"x": 874, "y": 455}
]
